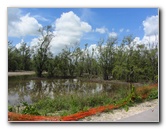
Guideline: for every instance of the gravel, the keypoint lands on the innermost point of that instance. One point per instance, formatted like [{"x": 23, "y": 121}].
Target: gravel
[{"x": 118, "y": 114}]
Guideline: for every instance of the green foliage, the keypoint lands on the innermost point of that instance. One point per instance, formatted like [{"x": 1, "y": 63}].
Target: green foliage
[
  {"x": 66, "y": 105},
  {"x": 126, "y": 108},
  {"x": 138, "y": 99},
  {"x": 129, "y": 61},
  {"x": 43, "y": 50},
  {"x": 153, "y": 94},
  {"x": 19, "y": 59},
  {"x": 29, "y": 109},
  {"x": 11, "y": 108}
]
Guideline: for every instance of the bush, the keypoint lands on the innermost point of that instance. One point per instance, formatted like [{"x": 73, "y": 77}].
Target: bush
[
  {"x": 153, "y": 94},
  {"x": 10, "y": 108}
]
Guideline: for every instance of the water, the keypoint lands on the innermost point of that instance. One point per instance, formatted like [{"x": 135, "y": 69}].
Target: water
[{"x": 30, "y": 89}]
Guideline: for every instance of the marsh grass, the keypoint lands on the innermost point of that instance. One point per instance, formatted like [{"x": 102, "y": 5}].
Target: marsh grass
[{"x": 66, "y": 105}]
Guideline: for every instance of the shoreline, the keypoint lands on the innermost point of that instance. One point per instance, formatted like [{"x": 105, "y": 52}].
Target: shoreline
[
  {"x": 95, "y": 80},
  {"x": 21, "y": 73}
]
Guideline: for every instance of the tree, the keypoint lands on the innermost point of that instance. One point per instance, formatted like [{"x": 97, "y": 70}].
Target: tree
[
  {"x": 25, "y": 56},
  {"x": 79, "y": 61},
  {"x": 43, "y": 52},
  {"x": 14, "y": 59},
  {"x": 106, "y": 57},
  {"x": 128, "y": 41},
  {"x": 64, "y": 62}
]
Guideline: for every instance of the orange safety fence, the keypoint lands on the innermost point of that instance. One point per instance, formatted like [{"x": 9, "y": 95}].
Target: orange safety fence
[
  {"x": 90, "y": 112},
  {"x": 143, "y": 91},
  {"x": 25, "y": 117}
]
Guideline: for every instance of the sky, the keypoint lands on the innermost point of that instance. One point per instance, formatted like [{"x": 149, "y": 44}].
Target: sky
[{"x": 82, "y": 25}]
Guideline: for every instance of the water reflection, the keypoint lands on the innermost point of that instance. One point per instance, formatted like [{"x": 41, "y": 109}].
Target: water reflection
[{"x": 26, "y": 88}]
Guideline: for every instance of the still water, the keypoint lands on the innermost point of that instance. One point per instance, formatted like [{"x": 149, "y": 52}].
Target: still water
[{"x": 30, "y": 89}]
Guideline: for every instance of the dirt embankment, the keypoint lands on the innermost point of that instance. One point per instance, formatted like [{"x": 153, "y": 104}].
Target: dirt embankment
[{"x": 21, "y": 73}]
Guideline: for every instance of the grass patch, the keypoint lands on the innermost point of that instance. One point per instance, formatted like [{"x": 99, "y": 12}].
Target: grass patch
[{"x": 67, "y": 105}]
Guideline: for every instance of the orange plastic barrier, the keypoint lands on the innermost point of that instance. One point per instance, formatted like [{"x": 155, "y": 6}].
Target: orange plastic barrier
[
  {"x": 25, "y": 117},
  {"x": 90, "y": 112}
]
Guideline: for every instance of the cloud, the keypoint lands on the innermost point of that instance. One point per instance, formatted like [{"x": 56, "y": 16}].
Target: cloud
[
  {"x": 40, "y": 18},
  {"x": 18, "y": 45},
  {"x": 113, "y": 35},
  {"x": 69, "y": 29},
  {"x": 121, "y": 30},
  {"x": 150, "y": 42},
  {"x": 127, "y": 30},
  {"x": 151, "y": 25},
  {"x": 92, "y": 48},
  {"x": 101, "y": 30},
  {"x": 19, "y": 26},
  {"x": 151, "y": 37}
]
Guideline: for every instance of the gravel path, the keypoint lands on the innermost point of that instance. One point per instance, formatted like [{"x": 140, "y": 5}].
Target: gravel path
[
  {"x": 21, "y": 73},
  {"x": 118, "y": 114}
]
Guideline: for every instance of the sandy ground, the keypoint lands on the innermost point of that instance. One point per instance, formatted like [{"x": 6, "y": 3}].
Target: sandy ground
[
  {"x": 119, "y": 114},
  {"x": 21, "y": 73}
]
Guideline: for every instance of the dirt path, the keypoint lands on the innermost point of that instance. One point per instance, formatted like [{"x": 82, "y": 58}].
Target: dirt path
[
  {"x": 118, "y": 114},
  {"x": 21, "y": 73}
]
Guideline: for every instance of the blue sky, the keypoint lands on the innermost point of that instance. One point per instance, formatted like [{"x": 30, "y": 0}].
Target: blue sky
[{"x": 83, "y": 25}]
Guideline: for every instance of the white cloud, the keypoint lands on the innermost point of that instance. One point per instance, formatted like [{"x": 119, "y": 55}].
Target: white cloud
[
  {"x": 19, "y": 44},
  {"x": 150, "y": 42},
  {"x": 19, "y": 26},
  {"x": 90, "y": 50},
  {"x": 127, "y": 30},
  {"x": 34, "y": 42},
  {"x": 101, "y": 30},
  {"x": 151, "y": 25},
  {"x": 40, "y": 18},
  {"x": 151, "y": 37},
  {"x": 92, "y": 47},
  {"x": 113, "y": 35},
  {"x": 69, "y": 29},
  {"x": 121, "y": 30}
]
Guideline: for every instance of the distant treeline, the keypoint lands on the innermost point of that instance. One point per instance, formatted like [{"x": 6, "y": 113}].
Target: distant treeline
[{"x": 128, "y": 60}]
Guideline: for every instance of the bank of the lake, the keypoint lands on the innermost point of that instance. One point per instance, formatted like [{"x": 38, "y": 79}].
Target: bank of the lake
[
  {"x": 62, "y": 97},
  {"x": 21, "y": 73}
]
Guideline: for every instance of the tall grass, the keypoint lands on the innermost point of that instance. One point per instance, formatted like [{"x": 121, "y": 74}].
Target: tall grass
[{"x": 66, "y": 105}]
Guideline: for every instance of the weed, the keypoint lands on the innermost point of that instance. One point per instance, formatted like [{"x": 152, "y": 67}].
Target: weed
[
  {"x": 153, "y": 94},
  {"x": 126, "y": 108},
  {"x": 29, "y": 109},
  {"x": 10, "y": 108}
]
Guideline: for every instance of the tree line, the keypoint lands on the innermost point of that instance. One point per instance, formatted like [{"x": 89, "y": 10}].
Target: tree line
[{"x": 128, "y": 61}]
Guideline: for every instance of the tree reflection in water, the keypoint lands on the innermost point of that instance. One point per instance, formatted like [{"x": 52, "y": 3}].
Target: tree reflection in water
[{"x": 26, "y": 88}]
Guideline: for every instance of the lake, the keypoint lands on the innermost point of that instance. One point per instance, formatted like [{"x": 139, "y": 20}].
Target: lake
[{"x": 30, "y": 89}]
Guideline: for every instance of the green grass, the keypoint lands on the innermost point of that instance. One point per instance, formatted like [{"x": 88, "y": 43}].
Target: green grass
[{"x": 66, "y": 105}]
